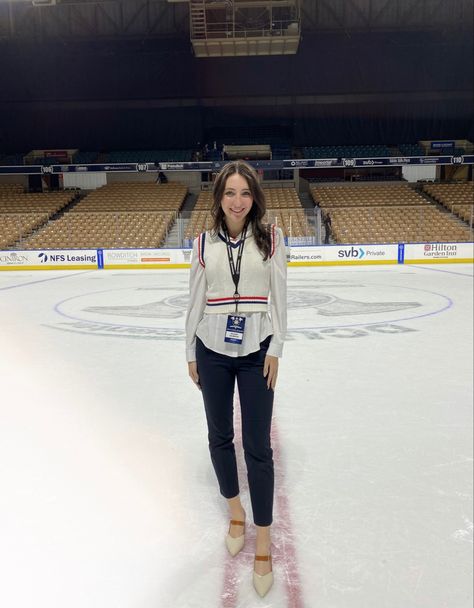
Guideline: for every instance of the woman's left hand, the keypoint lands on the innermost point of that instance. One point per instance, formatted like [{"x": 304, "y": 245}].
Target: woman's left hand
[{"x": 270, "y": 370}]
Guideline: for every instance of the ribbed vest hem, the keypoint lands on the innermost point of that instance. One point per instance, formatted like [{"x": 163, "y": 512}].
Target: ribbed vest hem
[{"x": 227, "y": 308}]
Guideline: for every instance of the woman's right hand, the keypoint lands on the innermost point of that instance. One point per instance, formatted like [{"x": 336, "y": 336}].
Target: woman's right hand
[{"x": 193, "y": 373}]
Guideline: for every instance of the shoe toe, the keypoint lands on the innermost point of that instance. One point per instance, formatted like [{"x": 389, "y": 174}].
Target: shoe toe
[
  {"x": 262, "y": 583},
  {"x": 234, "y": 545}
]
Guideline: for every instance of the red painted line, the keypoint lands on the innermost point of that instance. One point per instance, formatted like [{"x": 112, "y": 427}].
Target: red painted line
[
  {"x": 283, "y": 545},
  {"x": 288, "y": 557},
  {"x": 230, "y": 589}
]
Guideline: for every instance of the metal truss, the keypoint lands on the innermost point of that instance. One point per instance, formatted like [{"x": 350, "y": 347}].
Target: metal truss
[
  {"x": 94, "y": 19},
  {"x": 163, "y": 18},
  {"x": 372, "y": 15}
]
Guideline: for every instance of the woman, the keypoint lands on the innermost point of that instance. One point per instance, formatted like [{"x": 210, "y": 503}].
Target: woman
[{"x": 230, "y": 336}]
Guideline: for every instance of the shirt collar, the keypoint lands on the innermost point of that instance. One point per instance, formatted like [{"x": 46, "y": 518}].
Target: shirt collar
[{"x": 238, "y": 238}]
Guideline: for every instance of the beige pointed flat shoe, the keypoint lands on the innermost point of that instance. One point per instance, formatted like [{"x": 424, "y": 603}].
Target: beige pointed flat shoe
[
  {"x": 234, "y": 545},
  {"x": 263, "y": 582}
]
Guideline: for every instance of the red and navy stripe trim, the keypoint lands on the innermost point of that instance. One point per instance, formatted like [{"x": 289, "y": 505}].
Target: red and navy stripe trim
[
  {"x": 242, "y": 300},
  {"x": 272, "y": 235},
  {"x": 201, "y": 243}
]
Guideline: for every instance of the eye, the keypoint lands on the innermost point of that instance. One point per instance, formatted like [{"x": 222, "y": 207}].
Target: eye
[{"x": 229, "y": 192}]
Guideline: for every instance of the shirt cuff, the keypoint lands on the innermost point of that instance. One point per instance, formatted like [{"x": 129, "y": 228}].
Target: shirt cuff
[
  {"x": 275, "y": 349},
  {"x": 190, "y": 354}
]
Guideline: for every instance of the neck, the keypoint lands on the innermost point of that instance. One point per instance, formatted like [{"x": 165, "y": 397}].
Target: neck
[{"x": 234, "y": 229}]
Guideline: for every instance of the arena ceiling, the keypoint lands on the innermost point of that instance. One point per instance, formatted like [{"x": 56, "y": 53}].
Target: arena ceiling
[{"x": 125, "y": 19}]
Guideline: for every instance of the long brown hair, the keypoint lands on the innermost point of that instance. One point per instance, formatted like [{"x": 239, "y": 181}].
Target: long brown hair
[{"x": 260, "y": 231}]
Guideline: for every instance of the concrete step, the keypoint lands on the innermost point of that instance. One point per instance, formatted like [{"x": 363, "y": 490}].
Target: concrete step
[
  {"x": 189, "y": 202},
  {"x": 172, "y": 240},
  {"x": 306, "y": 200}
]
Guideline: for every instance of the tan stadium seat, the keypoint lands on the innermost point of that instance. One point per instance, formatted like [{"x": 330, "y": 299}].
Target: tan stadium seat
[{"x": 23, "y": 213}]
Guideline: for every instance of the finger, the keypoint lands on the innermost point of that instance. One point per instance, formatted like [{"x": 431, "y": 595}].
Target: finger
[
  {"x": 269, "y": 378},
  {"x": 266, "y": 368},
  {"x": 273, "y": 378}
]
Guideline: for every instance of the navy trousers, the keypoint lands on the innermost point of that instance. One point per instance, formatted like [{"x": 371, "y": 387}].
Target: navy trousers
[{"x": 217, "y": 375}]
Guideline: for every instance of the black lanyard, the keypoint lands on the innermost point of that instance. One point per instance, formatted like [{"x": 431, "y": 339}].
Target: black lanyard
[{"x": 235, "y": 267}]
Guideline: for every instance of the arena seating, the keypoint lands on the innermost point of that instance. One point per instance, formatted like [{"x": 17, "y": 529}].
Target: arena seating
[
  {"x": 366, "y": 195},
  {"x": 411, "y": 150},
  {"x": 7, "y": 189},
  {"x": 293, "y": 222},
  {"x": 133, "y": 196},
  {"x": 117, "y": 215},
  {"x": 104, "y": 229},
  {"x": 22, "y": 213},
  {"x": 395, "y": 224},
  {"x": 15, "y": 226},
  {"x": 282, "y": 198},
  {"x": 457, "y": 197},
  {"x": 204, "y": 201},
  {"x": 385, "y": 214}
]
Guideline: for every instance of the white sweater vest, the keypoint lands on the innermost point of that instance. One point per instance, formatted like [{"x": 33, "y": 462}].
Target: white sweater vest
[{"x": 254, "y": 283}]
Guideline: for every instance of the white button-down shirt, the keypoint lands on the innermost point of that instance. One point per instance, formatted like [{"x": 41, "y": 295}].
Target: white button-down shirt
[{"x": 211, "y": 328}]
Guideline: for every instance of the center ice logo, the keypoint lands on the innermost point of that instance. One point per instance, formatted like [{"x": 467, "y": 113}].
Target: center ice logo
[{"x": 318, "y": 308}]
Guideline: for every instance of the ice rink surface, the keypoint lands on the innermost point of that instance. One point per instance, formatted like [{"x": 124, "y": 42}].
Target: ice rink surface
[{"x": 108, "y": 498}]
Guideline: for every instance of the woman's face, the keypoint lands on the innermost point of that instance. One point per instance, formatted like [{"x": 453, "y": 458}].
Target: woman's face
[{"x": 236, "y": 201}]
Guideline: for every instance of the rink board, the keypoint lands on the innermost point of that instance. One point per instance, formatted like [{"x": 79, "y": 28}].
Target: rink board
[{"x": 151, "y": 259}]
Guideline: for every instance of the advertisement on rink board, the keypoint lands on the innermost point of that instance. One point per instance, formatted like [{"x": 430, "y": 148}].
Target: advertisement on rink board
[
  {"x": 49, "y": 259},
  {"x": 343, "y": 255},
  {"x": 431, "y": 253},
  {"x": 327, "y": 255},
  {"x": 146, "y": 258}
]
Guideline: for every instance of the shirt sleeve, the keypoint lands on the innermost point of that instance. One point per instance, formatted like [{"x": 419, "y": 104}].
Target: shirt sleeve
[
  {"x": 197, "y": 302},
  {"x": 278, "y": 271}
]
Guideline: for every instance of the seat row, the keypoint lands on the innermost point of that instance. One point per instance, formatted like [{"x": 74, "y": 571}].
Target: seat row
[
  {"x": 457, "y": 197},
  {"x": 366, "y": 195},
  {"x": 391, "y": 225},
  {"x": 11, "y": 188},
  {"x": 24, "y": 203},
  {"x": 15, "y": 226},
  {"x": 129, "y": 196},
  {"x": 91, "y": 230}
]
